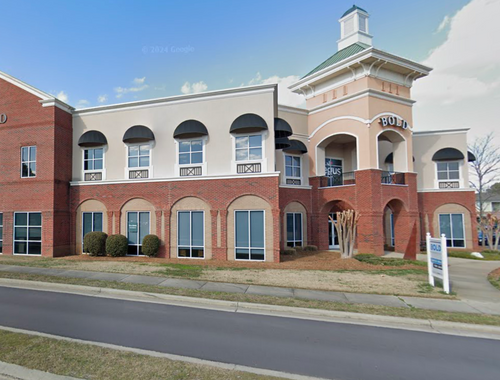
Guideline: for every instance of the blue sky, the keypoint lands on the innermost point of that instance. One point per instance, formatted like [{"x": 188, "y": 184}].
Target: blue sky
[{"x": 88, "y": 49}]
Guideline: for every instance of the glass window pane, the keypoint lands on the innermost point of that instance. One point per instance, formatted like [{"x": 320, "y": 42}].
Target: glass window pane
[
  {"x": 32, "y": 172},
  {"x": 241, "y": 142},
  {"x": 257, "y": 229},
  {"x": 35, "y": 219},
  {"x": 296, "y": 161},
  {"x": 184, "y": 158},
  {"x": 143, "y": 225},
  {"x": 242, "y": 254},
  {"x": 35, "y": 233},
  {"x": 21, "y": 219},
  {"x": 457, "y": 223},
  {"x": 289, "y": 227},
  {"x": 197, "y": 229},
  {"x": 144, "y": 161},
  {"x": 288, "y": 160},
  {"x": 256, "y": 141},
  {"x": 255, "y": 153},
  {"x": 458, "y": 243},
  {"x": 298, "y": 226},
  {"x": 132, "y": 228},
  {"x": 442, "y": 166},
  {"x": 184, "y": 252},
  {"x": 289, "y": 171},
  {"x": 89, "y": 154},
  {"x": 33, "y": 153},
  {"x": 183, "y": 232},
  {"x": 196, "y": 146},
  {"x": 1, "y": 219},
  {"x": 296, "y": 172},
  {"x": 196, "y": 158},
  {"x": 257, "y": 254},
  {"x": 184, "y": 146},
  {"x": 241, "y": 154},
  {"x": 144, "y": 150},
  {"x": 442, "y": 175},
  {"x": 98, "y": 164},
  {"x": 21, "y": 233},
  {"x": 454, "y": 175},
  {"x": 87, "y": 223},
  {"x": 132, "y": 250},
  {"x": 34, "y": 248},
  {"x": 197, "y": 252},
  {"x": 133, "y": 151},
  {"x": 88, "y": 165},
  {"x": 98, "y": 153},
  {"x": 24, "y": 154},
  {"x": 98, "y": 221},
  {"x": 133, "y": 162},
  {"x": 20, "y": 247},
  {"x": 24, "y": 171},
  {"x": 453, "y": 166},
  {"x": 445, "y": 224},
  {"x": 241, "y": 222}
]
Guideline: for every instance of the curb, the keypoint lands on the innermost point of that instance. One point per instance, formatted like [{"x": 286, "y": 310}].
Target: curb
[
  {"x": 422, "y": 325},
  {"x": 17, "y": 372}
]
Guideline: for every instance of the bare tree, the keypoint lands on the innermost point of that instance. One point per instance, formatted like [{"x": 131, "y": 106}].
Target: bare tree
[
  {"x": 485, "y": 169},
  {"x": 346, "y": 226}
]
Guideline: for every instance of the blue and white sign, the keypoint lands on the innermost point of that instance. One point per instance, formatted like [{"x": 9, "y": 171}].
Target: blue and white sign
[{"x": 437, "y": 261}]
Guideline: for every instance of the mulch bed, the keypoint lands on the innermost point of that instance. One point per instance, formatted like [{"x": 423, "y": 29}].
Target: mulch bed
[{"x": 320, "y": 260}]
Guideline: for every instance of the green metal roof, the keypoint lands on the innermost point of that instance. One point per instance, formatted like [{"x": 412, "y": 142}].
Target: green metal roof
[
  {"x": 339, "y": 56},
  {"x": 352, "y": 9}
]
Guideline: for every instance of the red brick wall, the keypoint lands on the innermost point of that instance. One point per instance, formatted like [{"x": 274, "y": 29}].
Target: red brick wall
[{"x": 49, "y": 128}]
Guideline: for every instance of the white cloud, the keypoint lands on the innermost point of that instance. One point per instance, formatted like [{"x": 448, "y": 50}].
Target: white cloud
[
  {"x": 62, "y": 96},
  {"x": 82, "y": 103},
  {"x": 102, "y": 98},
  {"x": 285, "y": 96},
  {"x": 464, "y": 88},
  {"x": 444, "y": 24},
  {"x": 195, "y": 88},
  {"x": 139, "y": 85}
]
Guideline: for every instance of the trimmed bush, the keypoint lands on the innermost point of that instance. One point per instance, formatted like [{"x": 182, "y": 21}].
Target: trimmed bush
[
  {"x": 310, "y": 248},
  {"x": 116, "y": 245},
  {"x": 94, "y": 243},
  {"x": 150, "y": 245},
  {"x": 289, "y": 251}
]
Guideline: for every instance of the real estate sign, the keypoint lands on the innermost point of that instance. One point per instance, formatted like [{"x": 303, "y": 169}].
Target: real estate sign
[{"x": 437, "y": 261}]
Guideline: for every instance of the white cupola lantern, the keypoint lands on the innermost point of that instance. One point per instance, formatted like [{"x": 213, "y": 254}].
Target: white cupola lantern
[{"x": 354, "y": 28}]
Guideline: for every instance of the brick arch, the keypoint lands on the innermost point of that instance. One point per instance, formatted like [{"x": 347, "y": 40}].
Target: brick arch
[
  {"x": 454, "y": 202},
  {"x": 107, "y": 207},
  {"x": 190, "y": 196},
  {"x": 88, "y": 205},
  {"x": 294, "y": 201},
  {"x": 230, "y": 202},
  {"x": 396, "y": 204},
  {"x": 123, "y": 204},
  {"x": 341, "y": 203}
]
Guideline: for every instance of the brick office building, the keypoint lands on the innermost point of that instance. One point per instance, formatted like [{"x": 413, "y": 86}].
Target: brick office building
[{"x": 232, "y": 175}]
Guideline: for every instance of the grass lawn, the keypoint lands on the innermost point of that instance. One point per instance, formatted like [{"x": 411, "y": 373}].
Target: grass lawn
[
  {"x": 481, "y": 319},
  {"x": 93, "y": 362},
  {"x": 364, "y": 274},
  {"x": 488, "y": 255},
  {"x": 494, "y": 278}
]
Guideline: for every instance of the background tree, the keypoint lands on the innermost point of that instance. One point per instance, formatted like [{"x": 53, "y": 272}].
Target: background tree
[{"x": 346, "y": 226}]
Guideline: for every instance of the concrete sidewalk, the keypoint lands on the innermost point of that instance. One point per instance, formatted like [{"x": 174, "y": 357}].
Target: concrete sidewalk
[
  {"x": 464, "y": 306},
  {"x": 16, "y": 372}
]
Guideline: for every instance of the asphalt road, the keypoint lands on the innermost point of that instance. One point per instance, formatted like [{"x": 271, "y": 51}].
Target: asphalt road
[{"x": 322, "y": 349}]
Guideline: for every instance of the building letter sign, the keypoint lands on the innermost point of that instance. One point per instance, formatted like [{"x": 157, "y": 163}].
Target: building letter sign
[
  {"x": 394, "y": 121},
  {"x": 3, "y": 118}
]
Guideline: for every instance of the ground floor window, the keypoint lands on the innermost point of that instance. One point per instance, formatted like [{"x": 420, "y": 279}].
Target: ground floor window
[
  {"x": 137, "y": 228},
  {"x": 249, "y": 235},
  {"x": 1, "y": 233},
  {"x": 27, "y": 233},
  {"x": 190, "y": 234},
  {"x": 452, "y": 225},
  {"x": 294, "y": 229},
  {"x": 92, "y": 222}
]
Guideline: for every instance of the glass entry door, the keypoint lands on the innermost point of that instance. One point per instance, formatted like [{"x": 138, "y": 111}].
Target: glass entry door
[
  {"x": 333, "y": 170},
  {"x": 333, "y": 239}
]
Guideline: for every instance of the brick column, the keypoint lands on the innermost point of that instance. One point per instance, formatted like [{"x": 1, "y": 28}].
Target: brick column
[
  {"x": 161, "y": 251},
  {"x": 110, "y": 222},
  {"x": 169, "y": 251},
  {"x": 276, "y": 235},
  {"x": 8, "y": 233},
  {"x": 222, "y": 250},
  {"x": 48, "y": 233},
  {"x": 216, "y": 250},
  {"x": 117, "y": 230}
]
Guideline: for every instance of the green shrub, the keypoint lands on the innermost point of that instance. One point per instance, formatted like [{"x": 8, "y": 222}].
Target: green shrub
[
  {"x": 288, "y": 251},
  {"x": 310, "y": 248},
  {"x": 116, "y": 245},
  {"x": 150, "y": 245},
  {"x": 94, "y": 243},
  {"x": 386, "y": 261}
]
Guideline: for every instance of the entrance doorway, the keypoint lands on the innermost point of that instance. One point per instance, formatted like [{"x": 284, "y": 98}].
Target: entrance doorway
[{"x": 333, "y": 239}]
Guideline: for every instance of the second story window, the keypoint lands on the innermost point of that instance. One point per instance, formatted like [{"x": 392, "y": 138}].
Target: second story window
[
  {"x": 93, "y": 159},
  {"x": 190, "y": 152},
  {"x": 292, "y": 166},
  {"x": 28, "y": 161},
  {"x": 448, "y": 171},
  {"x": 249, "y": 148},
  {"x": 139, "y": 156}
]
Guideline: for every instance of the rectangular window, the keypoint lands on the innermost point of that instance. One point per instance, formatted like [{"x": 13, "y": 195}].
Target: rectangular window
[
  {"x": 292, "y": 166},
  {"x": 1, "y": 233},
  {"x": 27, "y": 233},
  {"x": 249, "y": 235},
  {"x": 91, "y": 222},
  {"x": 249, "y": 148},
  {"x": 190, "y": 234},
  {"x": 137, "y": 228},
  {"x": 495, "y": 206},
  {"x": 139, "y": 156},
  {"x": 93, "y": 159},
  {"x": 190, "y": 152},
  {"x": 294, "y": 229},
  {"x": 448, "y": 171},
  {"x": 452, "y": 225},
  {"x": 28, "y": 161}
]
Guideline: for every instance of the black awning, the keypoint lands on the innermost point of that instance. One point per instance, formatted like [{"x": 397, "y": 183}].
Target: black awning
[
  {"x": 282, "y": 128},
  {"x": 92, "y": 138},
  {"x": 296, "y": 146},
  {"x": 390, "y": 158},
  {"x": 448, "y": 154},
  {"x": 190, "y": 128},
  {"x": 281, "y": 143},
  {"x": 248, "y": 123},
  {"x": 138, "y": 133},
  {"x": 471, "y": 157}
]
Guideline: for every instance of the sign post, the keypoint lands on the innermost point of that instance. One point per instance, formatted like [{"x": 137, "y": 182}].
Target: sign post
[{"x": 437, "y": 261}]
